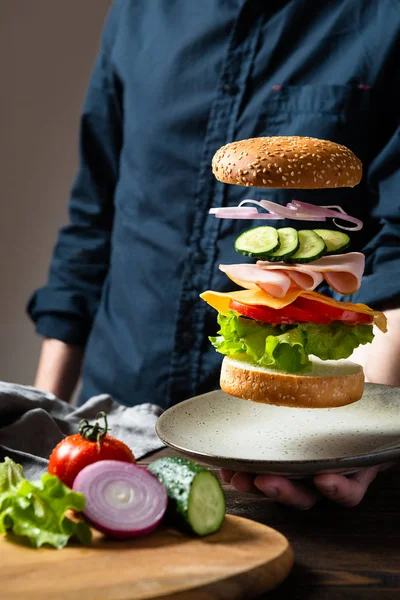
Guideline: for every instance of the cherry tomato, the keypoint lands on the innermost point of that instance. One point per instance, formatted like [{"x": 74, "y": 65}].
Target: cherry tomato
[
  {"x": 90, "y": 445},
  {"x": 333, "y": 313},
  {"x": 284, "y": 316}
]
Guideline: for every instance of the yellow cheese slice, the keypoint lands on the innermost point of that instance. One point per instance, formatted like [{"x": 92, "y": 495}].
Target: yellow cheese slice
[{"x": 220, "y": 301}]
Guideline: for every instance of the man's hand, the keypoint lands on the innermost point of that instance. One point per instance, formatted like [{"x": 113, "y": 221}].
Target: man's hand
[
  {"x": 381, "y": 358},
  {"x": 348, "y": 491}
]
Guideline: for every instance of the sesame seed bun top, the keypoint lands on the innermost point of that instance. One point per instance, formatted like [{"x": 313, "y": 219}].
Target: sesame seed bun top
[{"x": 287, "y": 162}]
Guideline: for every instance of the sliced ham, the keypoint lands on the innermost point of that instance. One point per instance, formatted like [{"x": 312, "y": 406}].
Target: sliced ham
[
  {"x": 275, "y": 283},
  {"x": 343, "y": 272},
  {"x": 306, "y": 280}
]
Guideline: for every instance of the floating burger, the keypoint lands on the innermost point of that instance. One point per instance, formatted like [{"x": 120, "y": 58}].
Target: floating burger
[{"x": 285, "y": 343}]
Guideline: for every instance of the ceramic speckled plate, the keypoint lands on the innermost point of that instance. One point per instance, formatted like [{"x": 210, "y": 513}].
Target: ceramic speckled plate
[{"x": 228, "y": 432}]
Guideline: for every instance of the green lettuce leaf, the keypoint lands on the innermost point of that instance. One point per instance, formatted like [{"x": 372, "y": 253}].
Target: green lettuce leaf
[
  {"x": 287, "y": 347},
  {"x": 36, "y": 509},
  {"x": 286, "y": 351},
  {"x": 335, "y": 341}
]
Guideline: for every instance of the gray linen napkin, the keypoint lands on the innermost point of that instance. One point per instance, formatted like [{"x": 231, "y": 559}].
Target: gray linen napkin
[{"x": 32, "y": 422}]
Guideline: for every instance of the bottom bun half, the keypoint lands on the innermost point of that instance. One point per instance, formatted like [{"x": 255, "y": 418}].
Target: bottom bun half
[{"x": 327, "y": 385}]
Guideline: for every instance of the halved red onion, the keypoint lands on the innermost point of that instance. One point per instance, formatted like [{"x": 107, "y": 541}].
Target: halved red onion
[{"x": 122, "y": 499}]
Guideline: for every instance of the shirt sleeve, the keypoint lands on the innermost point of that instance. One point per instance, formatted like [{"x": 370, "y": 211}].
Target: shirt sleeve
[
  {"x": 381, "y": 282},
  {"x": 65, "y": 307}
]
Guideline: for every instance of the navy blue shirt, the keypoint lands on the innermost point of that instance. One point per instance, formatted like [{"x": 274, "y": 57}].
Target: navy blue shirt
[{"x": 175, "y": 80}]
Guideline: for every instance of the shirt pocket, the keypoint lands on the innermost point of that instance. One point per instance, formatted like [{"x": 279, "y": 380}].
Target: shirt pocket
[{"x": 341, "y": 113}]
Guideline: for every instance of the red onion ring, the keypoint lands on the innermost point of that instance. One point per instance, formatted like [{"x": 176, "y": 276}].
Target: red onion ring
[
  {"x": 325, "y": 211},
  {"x": 283, "y": 211},
  {"x": 237, "y": 212},
  {"x": 294, "y": 210}
]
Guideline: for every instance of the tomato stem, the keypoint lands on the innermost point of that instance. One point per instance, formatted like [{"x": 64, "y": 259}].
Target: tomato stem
[{"x": 94, "y": 433}]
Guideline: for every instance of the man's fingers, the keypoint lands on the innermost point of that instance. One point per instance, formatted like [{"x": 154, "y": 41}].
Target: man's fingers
[
  {"x": 348, "y": 491},
  {"x": 226, "y": 475},
  {"x": 244, "y": 482},
  {"x": 286, "y": 491}
]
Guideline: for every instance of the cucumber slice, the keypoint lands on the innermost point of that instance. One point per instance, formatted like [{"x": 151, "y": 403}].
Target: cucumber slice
[
  {"x": 258, "y": 242},
  {"x": 194, "y": 492},
  {"x": 288, "y": 244},
  {"x": 312, "y": 247},
  {"x": 336, "y": 241}
]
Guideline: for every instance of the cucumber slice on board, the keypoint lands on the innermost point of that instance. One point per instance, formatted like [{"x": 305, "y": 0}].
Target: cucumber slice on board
[
  {"x": 288, "y": 244},
  {"x": 258, "y": 242},
  {"x": 336, "y": 241},
  {"x": 312, "y": 247},
  {"x": 194, "y": 492}
]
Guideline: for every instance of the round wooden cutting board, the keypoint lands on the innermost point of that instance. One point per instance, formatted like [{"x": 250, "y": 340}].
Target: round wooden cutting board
[{"x": 243, "y": 560}]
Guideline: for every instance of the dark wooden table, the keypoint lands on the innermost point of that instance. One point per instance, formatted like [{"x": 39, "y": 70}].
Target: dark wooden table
[{"x": 340, "y": 553}]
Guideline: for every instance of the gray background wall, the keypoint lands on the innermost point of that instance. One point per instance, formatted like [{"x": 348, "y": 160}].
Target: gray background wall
[{"x": 47, "y": 49}]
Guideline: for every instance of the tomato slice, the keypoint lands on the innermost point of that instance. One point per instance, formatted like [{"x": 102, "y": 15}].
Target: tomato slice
[
  {"x": 302, "y": 310},
  {"x": 289, "y": 315},
  {"x": 333, "y": 313}
]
